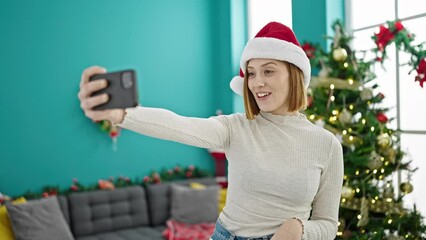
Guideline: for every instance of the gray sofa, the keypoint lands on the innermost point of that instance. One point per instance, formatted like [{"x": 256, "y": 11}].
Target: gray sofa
[{"x": 127, "y": 213}]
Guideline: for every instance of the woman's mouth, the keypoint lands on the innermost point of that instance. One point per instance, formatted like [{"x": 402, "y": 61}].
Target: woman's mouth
[{"x": 262, "y": 95}]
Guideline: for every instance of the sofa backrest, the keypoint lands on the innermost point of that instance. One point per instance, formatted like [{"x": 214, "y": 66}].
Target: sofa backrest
[
  {"x": 103, "y": 210},
  {"x": 63, "y": 204},
  {"x": 159, "y": 199}
]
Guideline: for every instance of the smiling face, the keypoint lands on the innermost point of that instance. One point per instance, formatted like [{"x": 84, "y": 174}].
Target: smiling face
[{"x": 268, "y": 81}]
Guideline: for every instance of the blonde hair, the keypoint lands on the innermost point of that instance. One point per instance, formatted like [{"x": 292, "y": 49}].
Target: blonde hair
[{"x": 296, "y": 96}]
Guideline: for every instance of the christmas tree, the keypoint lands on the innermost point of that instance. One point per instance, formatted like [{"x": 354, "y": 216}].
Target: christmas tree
[{"x": 343, "y": 99}]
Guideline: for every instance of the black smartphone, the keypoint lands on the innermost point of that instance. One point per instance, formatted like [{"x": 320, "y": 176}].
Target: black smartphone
[{"x": 122, "y": 89}]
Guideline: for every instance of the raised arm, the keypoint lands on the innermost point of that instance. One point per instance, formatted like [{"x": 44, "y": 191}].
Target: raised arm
[{"x": 160, "y": 123}]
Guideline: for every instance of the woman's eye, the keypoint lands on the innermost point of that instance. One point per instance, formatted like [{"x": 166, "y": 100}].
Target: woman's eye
[
  {"x": 250, "y": 74},
  {"x": 267, "y": 72}
]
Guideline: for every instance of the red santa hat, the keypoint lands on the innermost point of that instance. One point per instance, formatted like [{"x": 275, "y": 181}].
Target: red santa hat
[{"x": 273, "y": 41}]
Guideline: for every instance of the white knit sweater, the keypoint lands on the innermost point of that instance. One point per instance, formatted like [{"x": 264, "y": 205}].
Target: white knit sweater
[{"x": 279, "y": 167}]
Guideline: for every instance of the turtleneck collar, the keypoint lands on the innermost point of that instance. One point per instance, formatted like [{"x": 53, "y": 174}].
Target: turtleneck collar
[{"x": 282, "y": 118}]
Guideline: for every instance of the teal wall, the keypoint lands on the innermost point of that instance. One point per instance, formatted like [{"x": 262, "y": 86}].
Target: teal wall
[
  {"x": 181, "y": 50},
  {"x": 312, "y": 19}
]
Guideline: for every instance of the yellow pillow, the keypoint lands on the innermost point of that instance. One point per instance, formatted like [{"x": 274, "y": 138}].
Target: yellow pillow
[
  {"x": 199, "y": 186},
  {"x": 222, "y": 198},
  {"x": 6, "y": 232}
]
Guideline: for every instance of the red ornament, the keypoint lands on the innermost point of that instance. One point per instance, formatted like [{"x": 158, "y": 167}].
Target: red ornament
[
  {"x": 45, "y": 194},
  {"x": 310, "y": 101},
  {"x": 382, "y": 117},
  {"x": 380, "y": 96},
  {"x": 421, "y": 72},
  {"x": 309, "y": 50}
]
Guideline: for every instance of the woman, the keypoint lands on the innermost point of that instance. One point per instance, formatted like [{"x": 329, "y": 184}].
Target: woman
[{"x": 285, "y": 174}]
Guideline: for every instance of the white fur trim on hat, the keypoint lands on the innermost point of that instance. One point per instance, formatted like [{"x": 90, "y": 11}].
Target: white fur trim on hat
[
  {"x": 272, "y": 48},
  {"x": 237, "y": 85}
]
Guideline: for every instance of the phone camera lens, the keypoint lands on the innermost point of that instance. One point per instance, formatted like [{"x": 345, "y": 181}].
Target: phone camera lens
[{"x": 126, "y": 80}]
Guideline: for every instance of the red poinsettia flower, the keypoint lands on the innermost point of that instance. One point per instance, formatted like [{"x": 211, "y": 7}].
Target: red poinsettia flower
[
  {"x": 421, "y": 71},
  {"x": 309, "y": 50},
  {"x": 381, "y": 117},
  {"x": 383, "y": 37}
]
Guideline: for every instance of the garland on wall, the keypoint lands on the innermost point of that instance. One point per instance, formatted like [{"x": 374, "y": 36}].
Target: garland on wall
[
  {"x": 155, "y": 177},
  {"x": 395, "y": 32}
]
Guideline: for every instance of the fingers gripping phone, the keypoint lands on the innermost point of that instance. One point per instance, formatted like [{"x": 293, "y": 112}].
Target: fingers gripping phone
[{"x": 121, "y": 89}]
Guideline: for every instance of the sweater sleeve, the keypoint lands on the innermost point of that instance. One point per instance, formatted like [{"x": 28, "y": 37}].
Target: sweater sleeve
[
  {"x": 160, "y": 123},
  {"x": 325, "y": 208}
]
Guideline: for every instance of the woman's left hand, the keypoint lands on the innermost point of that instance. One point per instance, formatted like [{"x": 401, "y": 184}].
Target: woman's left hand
[{"x": 290, "y": 230}]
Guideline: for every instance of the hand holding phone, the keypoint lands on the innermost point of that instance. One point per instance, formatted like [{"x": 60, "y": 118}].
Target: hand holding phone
[{"x": 121, "y": 89}]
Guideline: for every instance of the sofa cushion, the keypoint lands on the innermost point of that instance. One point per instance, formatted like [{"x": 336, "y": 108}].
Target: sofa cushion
[
  {"x": 103, "y": 210},
  {"x": 127, "y": 234},
  {"x": 39, "y": 219},
  {"x": 6, "y": 231},
  {"x": 194, "y": 205},
  {"x": 159, "y": 198}
]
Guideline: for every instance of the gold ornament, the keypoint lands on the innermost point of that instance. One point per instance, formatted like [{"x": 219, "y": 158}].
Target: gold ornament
[
  {"x": 388, "y": 191},
  {"x": 342, "y": 224},
  {"x": 345, "y": 117},
  {"x": 340, "y": 54},
  {"x": 384, "y": 140},
  {"x": 366, "y": 94},
  {"x": 324, "y": 72},
  {"x": 363, "y": 220},
  {"x": 347, "y": 192},
  {"x": 375, "y": 161},
  {"x": 389, "y": 153},
  {"x": 406, "y": 187}
]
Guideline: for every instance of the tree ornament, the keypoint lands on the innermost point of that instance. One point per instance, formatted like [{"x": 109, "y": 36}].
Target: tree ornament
[
  {"x": 384, "y": 140},
  {"x": 363, "y": 220},
  {"x": 375, "y": 161},
  {"x": 347, "y": 192},
  {"x": 406, "y": 187},
  {"x": 366, "y": 94},
  {"x": 389, "y": 153},
  {"x": 345, "y": 117},
  {"x": 395, "y": 237},
  {"x": 381, "y": 117},
  {"x": 310, "y": 100},
  {"x": 388, "y": 191},
  {"x": 342, "y": 224},
  {"x": 347, "y": 234},
  {"x": 324, "y": 72},
  {"x": 340, "y": 54}
]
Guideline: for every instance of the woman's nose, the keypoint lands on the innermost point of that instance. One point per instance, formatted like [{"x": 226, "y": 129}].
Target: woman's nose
[{"x": 259, "y": 82}]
